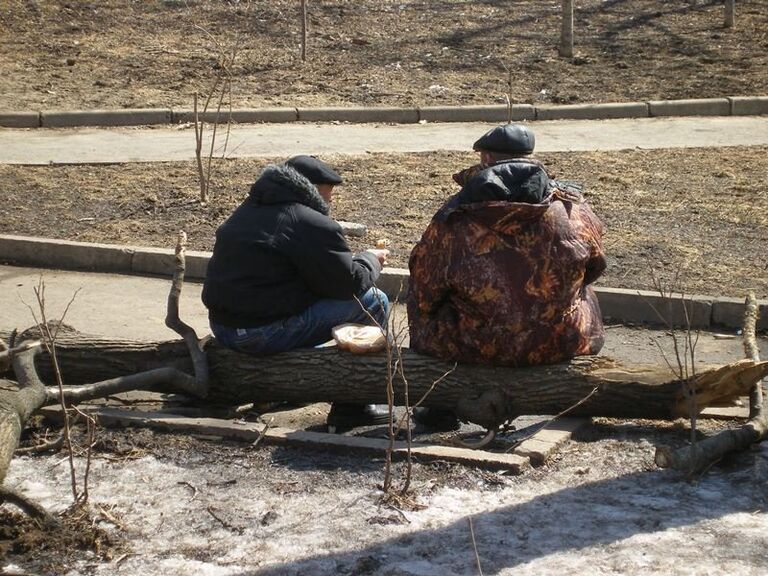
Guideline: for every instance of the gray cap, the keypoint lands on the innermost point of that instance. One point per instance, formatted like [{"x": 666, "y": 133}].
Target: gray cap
[
  {"x": 315, "y": 170},
  {"x": 507, "y": 139}
]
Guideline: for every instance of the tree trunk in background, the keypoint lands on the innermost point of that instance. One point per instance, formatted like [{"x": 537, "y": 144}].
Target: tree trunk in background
[
  {"x": 730, "y": 13},
  {"x": 303, "y": 30},
  {"x": 566, "y": 34}
]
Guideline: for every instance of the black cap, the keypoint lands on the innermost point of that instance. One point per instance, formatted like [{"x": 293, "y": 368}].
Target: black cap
[
  {"x": 507, "y": 139},
  {"x": 316, "y": 171}
]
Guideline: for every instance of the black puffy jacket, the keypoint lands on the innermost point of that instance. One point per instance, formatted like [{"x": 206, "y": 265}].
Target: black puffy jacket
[{"x": 278, "y": 253}]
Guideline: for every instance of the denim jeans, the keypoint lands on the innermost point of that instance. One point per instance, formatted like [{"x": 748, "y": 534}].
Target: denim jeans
[{"x": 309, "y": 328}]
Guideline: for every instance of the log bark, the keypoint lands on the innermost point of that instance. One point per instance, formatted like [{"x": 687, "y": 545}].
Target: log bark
[
  {"x": 485, "y": 395},
  {"x": 16, "y": 405}
]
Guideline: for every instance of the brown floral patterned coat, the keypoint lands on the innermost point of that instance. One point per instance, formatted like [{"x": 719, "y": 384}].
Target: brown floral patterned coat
[{"x": 508, "y": 283}]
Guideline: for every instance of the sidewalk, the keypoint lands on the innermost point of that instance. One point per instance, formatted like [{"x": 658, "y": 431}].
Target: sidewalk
[{"x": 117, "y": 145}]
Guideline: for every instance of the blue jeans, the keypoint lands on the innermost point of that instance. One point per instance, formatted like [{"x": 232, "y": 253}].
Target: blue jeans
[{"x": 309, "y": 328}]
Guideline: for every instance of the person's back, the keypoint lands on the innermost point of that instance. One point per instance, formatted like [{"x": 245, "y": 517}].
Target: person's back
[
  {"x": 278, "y": 253},
  {"x": 282, "y": 276},
  {"x": 502, "y": 273}
]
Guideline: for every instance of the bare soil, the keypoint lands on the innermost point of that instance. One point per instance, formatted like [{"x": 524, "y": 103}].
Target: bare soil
[{"x": 157, "y": 53}]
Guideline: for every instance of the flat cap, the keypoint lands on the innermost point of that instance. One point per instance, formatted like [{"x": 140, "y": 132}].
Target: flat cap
[
  {"x": 315, "y": 170},
  {"x": 507, "y": 139}
]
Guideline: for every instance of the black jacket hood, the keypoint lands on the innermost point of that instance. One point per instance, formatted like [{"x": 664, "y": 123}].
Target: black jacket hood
[
  {"x": 280, "y": 183},
  {"x": 518, "y": 180}
]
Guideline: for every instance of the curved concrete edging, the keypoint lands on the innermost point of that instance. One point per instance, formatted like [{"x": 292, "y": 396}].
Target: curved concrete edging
[
  {"x": 617, "y": 304},
  {"x": 729, "y": 106}
]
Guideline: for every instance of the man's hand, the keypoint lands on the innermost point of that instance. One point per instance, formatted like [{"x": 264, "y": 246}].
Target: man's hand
[{"x": 380, "y": 253}]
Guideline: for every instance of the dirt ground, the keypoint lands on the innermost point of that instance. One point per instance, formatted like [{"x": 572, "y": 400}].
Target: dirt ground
[
  {"x": 702, "y": 213},
  {"x": 112, "y": 53}
]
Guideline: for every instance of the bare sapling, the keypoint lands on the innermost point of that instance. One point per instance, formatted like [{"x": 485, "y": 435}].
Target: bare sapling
[
  {"x": 399, "y": 496},
  {"x": 394, "y": 331},
  {"x": 684, "y": 341},
  {"x": 221, "y": 88},
  {"x": 392, "y": 341},
  {"x": 711, "y": 450},
  {"x": 48, "y": 333}
]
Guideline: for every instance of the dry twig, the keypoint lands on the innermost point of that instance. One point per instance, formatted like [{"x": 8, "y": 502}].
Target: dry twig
[
  {"x": 49, "y": 342},
  {"x": 474, "y": 546},
  {"x": 54, "y": 444}
]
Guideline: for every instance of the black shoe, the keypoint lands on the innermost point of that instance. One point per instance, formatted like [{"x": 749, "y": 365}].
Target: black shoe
[
  {"x": 353, "y": 415},
  {"x": 438, "y": 419}
]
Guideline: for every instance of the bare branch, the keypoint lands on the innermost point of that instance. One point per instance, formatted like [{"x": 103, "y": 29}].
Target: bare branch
[
  {"x": 54, "y": 444},
  {"x": 703, "y": 454},
  {"x": 172, "y": 320},
  {"x": 752, "y": 352},
  {"x": 26, "y": 505}
]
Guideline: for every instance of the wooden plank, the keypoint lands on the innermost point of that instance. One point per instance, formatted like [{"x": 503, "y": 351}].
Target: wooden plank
[
  {"x": 250, "y": 431},
  {"x": 539, "y": 446},
  {"x": 725, "y": 413}
]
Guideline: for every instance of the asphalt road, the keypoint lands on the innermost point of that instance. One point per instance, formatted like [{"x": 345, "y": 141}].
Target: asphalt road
[{"x": 174, "y": 143}]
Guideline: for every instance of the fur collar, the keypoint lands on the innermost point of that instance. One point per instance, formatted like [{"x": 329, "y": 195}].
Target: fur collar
[{"x": 280, "y": 183}]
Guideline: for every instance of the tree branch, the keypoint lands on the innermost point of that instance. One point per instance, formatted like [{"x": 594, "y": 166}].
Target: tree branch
[{"x": 172, "y": 320}]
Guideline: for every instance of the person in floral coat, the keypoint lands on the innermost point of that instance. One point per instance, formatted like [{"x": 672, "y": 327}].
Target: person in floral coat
[{"x": 503, "y": 273}]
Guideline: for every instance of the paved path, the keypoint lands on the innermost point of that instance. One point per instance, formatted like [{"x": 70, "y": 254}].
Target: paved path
[
  {"x": 111, "y": 305},
  {"x": 66, "y": 146}
]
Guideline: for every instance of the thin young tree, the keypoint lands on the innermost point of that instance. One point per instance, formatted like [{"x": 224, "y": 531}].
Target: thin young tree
[{"x": 221, "y": 88}]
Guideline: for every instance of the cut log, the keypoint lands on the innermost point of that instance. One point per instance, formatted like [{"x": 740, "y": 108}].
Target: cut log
[{"x": 484, "y": 395}]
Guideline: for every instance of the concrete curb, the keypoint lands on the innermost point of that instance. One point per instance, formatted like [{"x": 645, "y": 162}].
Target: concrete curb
[
  {"x": 617, "y": 304},
  {"x": 729, "y": 106},
  {"x": 133, "y": 117}
]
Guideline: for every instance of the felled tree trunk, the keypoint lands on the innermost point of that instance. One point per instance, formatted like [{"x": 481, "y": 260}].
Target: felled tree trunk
[
  {"x": 481, "y": 394},
  {"x": 16, "y": 405}
]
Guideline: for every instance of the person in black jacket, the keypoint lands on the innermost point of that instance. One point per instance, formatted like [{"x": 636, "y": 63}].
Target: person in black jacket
[{"x": 282, "y": 276}]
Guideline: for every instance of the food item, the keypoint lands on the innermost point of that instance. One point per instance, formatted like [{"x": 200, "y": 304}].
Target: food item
[{"x": 359, "y": 338}]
